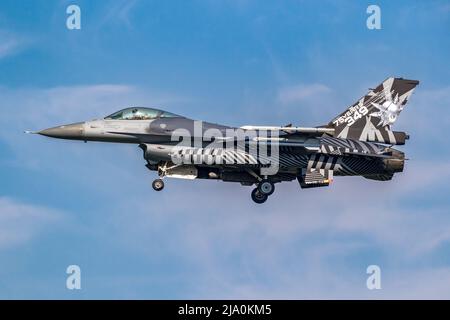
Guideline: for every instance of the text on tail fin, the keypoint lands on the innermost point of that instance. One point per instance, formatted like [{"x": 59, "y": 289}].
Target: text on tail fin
[{"x": 371, "y": 117}]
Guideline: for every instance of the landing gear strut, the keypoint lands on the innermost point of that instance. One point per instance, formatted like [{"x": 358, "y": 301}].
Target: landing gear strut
[
  {"x": 259, "y": 197},
  {"x": 158, "y": 185}
]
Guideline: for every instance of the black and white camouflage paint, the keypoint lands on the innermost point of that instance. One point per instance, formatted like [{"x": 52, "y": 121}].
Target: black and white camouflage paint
[{"x": 371, "y": 117}]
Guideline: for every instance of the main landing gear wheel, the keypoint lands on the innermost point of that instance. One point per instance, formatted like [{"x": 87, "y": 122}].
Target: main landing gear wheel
[
  {"x": 258, "y": 197},
  {"x": 158, "y": 185},
  {"x": 266, "y": 187}
]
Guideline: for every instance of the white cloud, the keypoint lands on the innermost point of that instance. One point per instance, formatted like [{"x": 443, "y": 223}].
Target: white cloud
[
  {"x": 21, "y": 222},
  {"x": 424, "y": 111},
  {"x": 74, "y": 103},
  {"x": 118, "y": 11},
  {"x": 40, "y": 108},
  {"x": 300, "y": 92},
  {"x": 445, "y": 8},
  {"x": 10, "y": 43},
  {"x": 300, "y": 244}
]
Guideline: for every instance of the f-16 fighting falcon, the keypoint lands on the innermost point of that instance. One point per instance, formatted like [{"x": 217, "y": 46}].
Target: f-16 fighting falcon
[{"x": 358, "y": 142}]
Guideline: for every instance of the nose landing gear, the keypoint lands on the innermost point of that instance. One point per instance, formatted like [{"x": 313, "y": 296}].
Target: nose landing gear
[{"x": 158, "y": 184}]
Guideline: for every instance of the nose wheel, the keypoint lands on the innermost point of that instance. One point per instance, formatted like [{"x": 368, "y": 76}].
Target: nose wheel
[{"x": 158, "y": 185}]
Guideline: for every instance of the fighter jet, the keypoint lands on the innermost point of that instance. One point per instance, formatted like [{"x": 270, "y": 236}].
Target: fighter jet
[{"x": 358, "y": 142}]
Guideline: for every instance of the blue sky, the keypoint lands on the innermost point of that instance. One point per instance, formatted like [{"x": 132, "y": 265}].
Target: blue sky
[{"x": 236, "y": 62}]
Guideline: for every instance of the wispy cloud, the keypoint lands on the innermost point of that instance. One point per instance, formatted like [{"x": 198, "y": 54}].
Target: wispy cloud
[
  {"x": 21, "y": 222},
  {"x": 75, "y": 103},
  {"x": 300, "y": 92},
  {"x": 10, "y": 43},
  {"x": 298, "y": 244},
  {"x": 118, "y": 12}
]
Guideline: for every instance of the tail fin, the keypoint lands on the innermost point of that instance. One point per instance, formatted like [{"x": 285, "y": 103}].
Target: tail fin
[{"x": 371, "y": 118}]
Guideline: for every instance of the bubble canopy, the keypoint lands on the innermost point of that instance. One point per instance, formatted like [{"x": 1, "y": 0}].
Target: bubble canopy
[{"x": 139, "y": 113}]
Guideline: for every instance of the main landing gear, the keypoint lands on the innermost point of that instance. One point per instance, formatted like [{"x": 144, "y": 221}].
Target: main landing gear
[
  {"x": 264, "y": 189},
  {"x": 258, "y": 197},
  {"x": 266, "y": 186}
]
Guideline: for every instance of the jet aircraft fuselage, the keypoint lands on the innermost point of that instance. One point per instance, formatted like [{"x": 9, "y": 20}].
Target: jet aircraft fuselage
[{"x": 357, "y": 142}]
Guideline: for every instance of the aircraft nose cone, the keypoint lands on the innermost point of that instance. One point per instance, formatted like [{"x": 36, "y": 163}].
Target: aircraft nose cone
[{"x": 69, "y": 131}]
